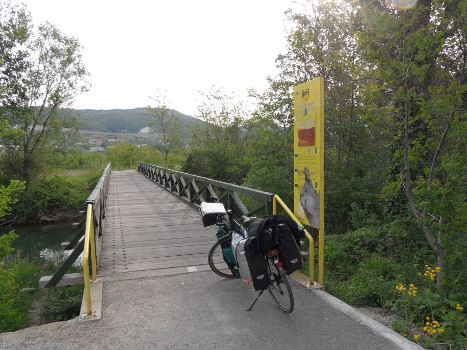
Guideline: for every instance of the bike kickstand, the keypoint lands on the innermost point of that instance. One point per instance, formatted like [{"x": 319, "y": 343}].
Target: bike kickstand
[{"x": 254, "y": 302}]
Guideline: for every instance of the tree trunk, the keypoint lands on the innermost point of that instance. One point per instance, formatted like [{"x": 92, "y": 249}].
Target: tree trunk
[{"x": 434, "y": 242}]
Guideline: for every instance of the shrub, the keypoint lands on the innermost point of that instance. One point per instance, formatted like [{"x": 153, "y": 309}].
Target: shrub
[
  {"x": 55, "y": 192},
  {"x": 62, "y": 303}
]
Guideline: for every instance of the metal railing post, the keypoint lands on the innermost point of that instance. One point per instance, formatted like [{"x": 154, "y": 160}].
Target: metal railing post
[
  {"x": 92, "y": 239},
  {"x": 87, "y": 288}
]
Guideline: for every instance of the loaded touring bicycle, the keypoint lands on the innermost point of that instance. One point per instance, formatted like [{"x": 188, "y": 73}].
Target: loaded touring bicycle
[{"x": 261, "y": 252}]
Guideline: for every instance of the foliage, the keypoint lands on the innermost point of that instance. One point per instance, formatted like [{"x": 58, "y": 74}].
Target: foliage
[
  {"x": 218, "y": 145},
  {"x": 269, "y": 167},
  {"x": 11, "y": 317},
  {"x": 9, "y": 197},
  {"x": 431, "y": 318},
  {"x": 387, "y": 266},
  {"x": 322, "y": 42},
  {"x": 78, "y": 160},
  {"x": 55, "y": 192},
  {"x": 49, "y": 74},
  {"x": 127, "y": 156},
  {"x": 169, "y": 124},
  {"x": 12, "y": 312},
  {"x": 15, "y": 25},
  {"x": 62, "y": 303},
  {"x": 424, "y": 88}
]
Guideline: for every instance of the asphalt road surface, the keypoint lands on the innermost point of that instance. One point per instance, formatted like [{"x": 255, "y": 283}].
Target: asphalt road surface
[{"x": 202, "y": 311}]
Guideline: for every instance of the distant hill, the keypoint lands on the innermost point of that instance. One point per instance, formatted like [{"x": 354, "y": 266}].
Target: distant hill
[{"x": 121, "y": 120}]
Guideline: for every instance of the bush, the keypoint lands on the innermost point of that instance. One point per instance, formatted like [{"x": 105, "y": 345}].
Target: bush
[
  {"x": 429, "y": 316},
  {"x": 381, "y": 266},
  {"x": 55, "y": 192},
  {"x": 398, "y": 241},
  {"x": 372, "y": 284},
  {"x": 11, "y": 316},
  {"x": 14, "y": 276},
  {"x": 62, "y": 303},
  {"x": 126, "y": 156}
]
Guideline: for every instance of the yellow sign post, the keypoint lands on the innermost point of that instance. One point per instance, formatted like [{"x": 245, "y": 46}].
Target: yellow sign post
[{"x": 309, "y": 159}]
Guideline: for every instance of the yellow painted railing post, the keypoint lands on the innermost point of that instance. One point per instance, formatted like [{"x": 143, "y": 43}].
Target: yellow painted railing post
[
  {"x": 311, "y": 256},
  {"x": 93, "y": 248},
  {"x": 321, "y": 257},
  {"x": 87, "y": 234}
]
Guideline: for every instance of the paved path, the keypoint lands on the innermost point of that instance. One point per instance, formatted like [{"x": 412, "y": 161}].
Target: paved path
[
  {"x": 200, "y": 311},
  {"x": 151, "y": 300}
]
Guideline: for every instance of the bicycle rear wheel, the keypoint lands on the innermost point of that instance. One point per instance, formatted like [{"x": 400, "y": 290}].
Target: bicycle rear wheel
[
  {"x": 216, "y": 260},
  {"x": 280, "y": 289}
]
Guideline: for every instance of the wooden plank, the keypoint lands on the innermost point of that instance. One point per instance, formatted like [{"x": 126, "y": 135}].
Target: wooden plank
[{"x": 69, "y": 279}]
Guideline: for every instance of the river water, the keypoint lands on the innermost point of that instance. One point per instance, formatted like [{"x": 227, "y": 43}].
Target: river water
[{"x": 40, "y": 244}]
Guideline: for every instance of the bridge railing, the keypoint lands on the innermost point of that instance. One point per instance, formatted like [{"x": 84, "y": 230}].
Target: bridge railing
[
  {"x": 95, "y": 215},
  {"x": 195, "y": 189},
  {"x": 87, "y": 242}
]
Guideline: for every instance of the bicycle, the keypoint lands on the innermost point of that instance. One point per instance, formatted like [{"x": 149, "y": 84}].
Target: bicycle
[{"x": 279, "y": 287}]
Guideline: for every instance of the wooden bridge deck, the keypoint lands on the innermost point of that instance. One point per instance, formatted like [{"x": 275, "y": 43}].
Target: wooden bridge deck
[{"x": 149, "y": 232}]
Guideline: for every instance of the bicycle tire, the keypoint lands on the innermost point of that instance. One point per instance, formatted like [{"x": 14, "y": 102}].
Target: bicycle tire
[
  {"x": 229, "y": 273},
  {"x": 283, "y": 298}
]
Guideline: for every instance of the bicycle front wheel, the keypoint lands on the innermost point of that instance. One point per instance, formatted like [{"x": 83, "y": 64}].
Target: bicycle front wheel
[
  {"x": 279, "y": 288},
  {"x": 216, "y": 259}
]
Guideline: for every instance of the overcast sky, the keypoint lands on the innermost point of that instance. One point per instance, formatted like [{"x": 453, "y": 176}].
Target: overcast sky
[{"x": 133, "y": 48}]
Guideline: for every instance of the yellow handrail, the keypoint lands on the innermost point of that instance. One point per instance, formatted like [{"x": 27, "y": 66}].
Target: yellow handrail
[
  {"x": 89, "y": 241},
  {"x": 276, "y": 199}
]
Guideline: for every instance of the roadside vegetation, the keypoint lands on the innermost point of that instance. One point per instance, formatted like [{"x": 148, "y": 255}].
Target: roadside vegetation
[{"x": 395, "y": 172}]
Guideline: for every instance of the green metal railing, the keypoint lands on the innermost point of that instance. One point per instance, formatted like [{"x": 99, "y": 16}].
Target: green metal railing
[{"x": 195, "y": 189}]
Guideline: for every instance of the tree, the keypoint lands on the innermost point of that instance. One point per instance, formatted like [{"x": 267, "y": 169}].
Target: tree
[
  {"x": 15, "y": 27},
  {"x": 268, "y": 154},
  {"x": 50, "y": 73},
  {"x": 421, "y": 71},
  {"x": 14, "y": 33},
  {"x": 218, "y": 145},
  {"x": 168, "y": 122},
  {"x": 323, "y": 43}
]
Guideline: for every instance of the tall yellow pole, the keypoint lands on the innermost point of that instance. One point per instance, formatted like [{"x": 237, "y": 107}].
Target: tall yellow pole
[{"x": 321, "y": 190}]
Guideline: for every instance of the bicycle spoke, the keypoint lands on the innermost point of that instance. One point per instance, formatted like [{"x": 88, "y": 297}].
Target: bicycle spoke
[{"x": 279, "y": 289}]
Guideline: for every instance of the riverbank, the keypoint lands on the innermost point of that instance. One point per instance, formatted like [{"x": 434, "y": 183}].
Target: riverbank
[
  {"x": 36, "y": 251},
  {"x": 55, "y": 198}
]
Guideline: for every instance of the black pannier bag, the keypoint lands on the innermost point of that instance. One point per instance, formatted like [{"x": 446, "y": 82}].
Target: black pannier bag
[
  {"x": 256, "y": 264},
  {"x": 289, "y": 254},
  {"x": 262, "y": 230},
  {"x": 297, "y": 231}
]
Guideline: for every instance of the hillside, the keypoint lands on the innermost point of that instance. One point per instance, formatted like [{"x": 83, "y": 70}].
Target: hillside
[{"x": 121, "y": 120}]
